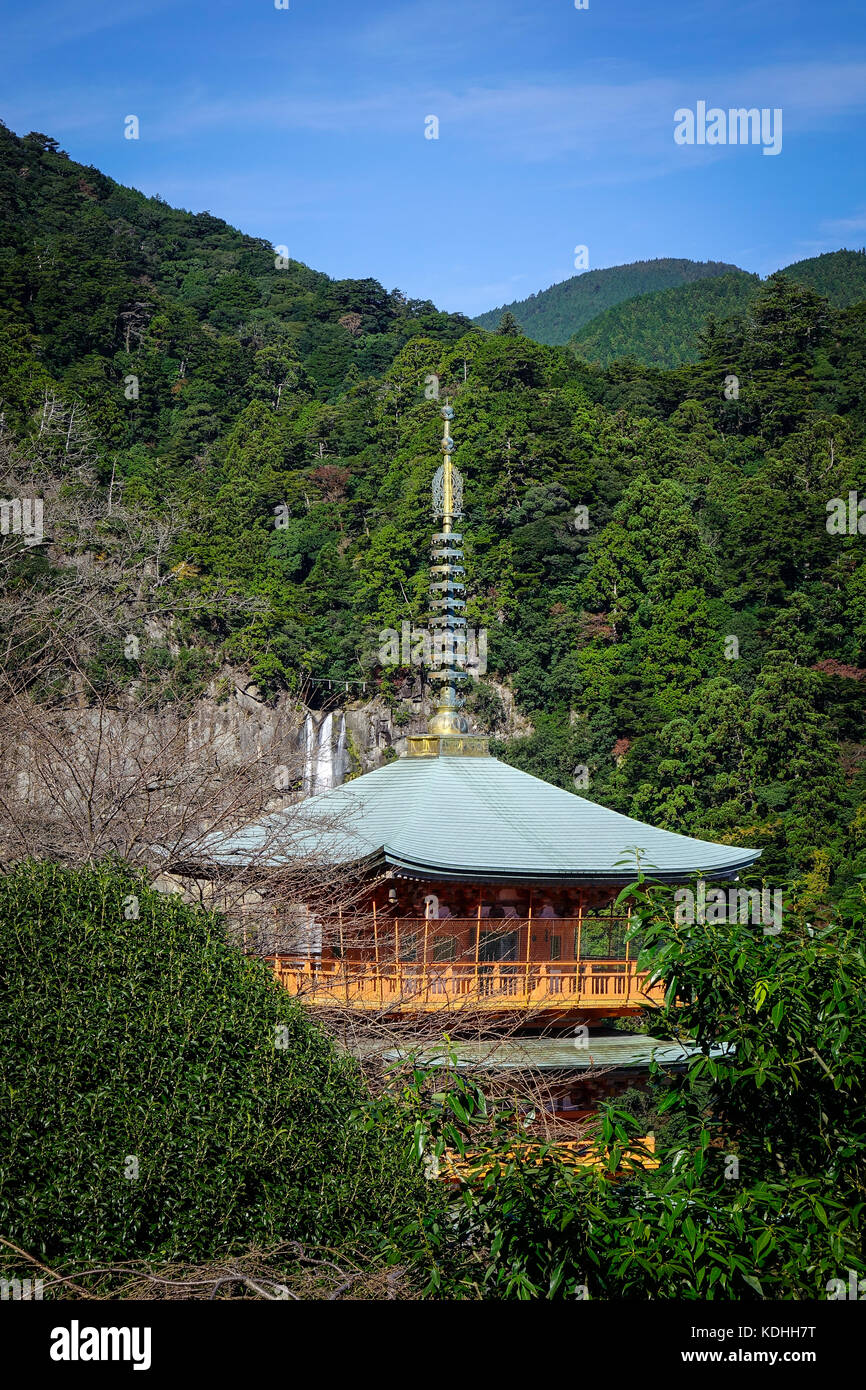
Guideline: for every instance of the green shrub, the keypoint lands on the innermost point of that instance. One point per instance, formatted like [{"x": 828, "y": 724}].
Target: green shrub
[{"x": 151, "y": 1038}]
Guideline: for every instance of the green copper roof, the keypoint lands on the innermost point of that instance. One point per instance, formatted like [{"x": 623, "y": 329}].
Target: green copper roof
[
  {"x": 630, "y": 1051},
  {"x": 474, "y": 818}
]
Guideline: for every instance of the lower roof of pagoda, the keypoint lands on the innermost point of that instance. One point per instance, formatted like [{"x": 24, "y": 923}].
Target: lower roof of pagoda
[{"x": 473, "y": 819}]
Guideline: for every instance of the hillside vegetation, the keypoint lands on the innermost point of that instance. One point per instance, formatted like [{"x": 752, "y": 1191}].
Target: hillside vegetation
[
  {"x": 554, "y": 315},
  {"x": 662, "y": 329},
  {"x": 840, "y": 276},
  {"x": 613, "y": 315},
  {"x": 96, "y": 277}
]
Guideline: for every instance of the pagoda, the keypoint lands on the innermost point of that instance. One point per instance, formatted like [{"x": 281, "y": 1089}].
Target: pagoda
[{"x": 480, "y": 886}]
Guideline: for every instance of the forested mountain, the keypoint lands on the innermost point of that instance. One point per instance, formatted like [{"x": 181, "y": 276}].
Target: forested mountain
[
  {"x": 612, "y": 314},
  {"x": 661, "y": 329},
  {"x": 556, "y": 314},
  {"x": 840, "y": 276},
  {"x": 78, "y": 250},
  {"x": 700, "y": 647}
]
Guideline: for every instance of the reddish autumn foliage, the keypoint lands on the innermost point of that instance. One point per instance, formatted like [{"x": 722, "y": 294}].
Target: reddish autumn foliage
[{"x": 831, "y": 667}]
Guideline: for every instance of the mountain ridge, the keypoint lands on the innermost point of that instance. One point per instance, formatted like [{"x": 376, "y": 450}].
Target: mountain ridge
[
  {"x": 563, "y": 308},
  {"x": 661, "y": 329},
  {"x": 838, "y": 275}
]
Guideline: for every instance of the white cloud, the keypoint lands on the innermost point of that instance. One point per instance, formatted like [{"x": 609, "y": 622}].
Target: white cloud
[
  {"x": 37, "y": 27},
  {"x": 528, "y": 121},
  {"x": 845, "y": 226}
]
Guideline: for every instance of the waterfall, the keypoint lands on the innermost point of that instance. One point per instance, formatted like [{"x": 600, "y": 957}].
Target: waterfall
[
  {"x": 324, "y": 775},
  {"x": 324, "y": 764}
]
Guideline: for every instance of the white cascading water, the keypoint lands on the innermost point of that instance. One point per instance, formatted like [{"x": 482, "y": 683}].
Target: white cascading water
[
  {"x": 324, "y": 774},
  {"x": 324, "y": 764}
]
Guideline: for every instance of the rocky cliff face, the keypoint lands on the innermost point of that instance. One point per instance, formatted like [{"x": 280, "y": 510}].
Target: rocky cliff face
[
  {"x": 332, "y": 743},
  {"x": 323, "y": 746},
  {"x": 92, "y": 780}
]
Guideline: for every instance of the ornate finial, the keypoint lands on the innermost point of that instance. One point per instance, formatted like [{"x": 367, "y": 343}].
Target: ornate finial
[
  {"x": 448, "y": 480},
  {"x": 447, "y": 602},
  {"x": 448, "y": 728}
]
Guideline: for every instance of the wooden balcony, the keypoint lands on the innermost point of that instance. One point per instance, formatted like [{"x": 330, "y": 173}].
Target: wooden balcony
[
  {"x": 609, "y": 987},
  {"x": 474, "y": 1164}
]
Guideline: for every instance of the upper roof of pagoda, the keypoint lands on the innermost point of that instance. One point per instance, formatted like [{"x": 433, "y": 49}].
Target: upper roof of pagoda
[{"x": 441, "y": 814}]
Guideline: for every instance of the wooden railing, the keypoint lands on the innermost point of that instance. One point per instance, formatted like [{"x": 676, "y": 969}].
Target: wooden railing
[
  {"x": 438, "y": 940},
  {"x": 473, "y": 930},
  {"x": 609, "y": 986}
]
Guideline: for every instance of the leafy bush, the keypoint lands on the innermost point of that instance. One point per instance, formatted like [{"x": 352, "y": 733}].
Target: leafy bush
[{"x": 152, "y": 1039}]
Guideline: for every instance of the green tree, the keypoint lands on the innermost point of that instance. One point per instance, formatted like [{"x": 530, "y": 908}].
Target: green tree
[{"x": 163, "y": 1098}]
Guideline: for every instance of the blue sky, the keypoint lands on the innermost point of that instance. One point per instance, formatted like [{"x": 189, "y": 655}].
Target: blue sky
[{"x": 306, "y": 126}]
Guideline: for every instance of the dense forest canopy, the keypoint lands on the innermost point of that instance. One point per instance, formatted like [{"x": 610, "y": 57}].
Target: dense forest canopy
[
  {"x": 661, "y": 329},
  {"x": 698, "y": 646},
  {"x": 554, "y": 315},
  {"x": 839, "y": 276},
  {"x": 653, "y": 310}
]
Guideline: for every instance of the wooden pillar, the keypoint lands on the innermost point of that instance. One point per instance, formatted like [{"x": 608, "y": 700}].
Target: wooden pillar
[
  {"x": 528, "y": 946},
  {"x": 478, "y": 939},
  {"x": 398, "y": 969},
  {"x": 344, "y": 965},
  {"x": 424, "y": 971},
  {"x": 627, "y": 959},
  {"x": 579, "y": 930},
  {"x": 376, "y": 949}
]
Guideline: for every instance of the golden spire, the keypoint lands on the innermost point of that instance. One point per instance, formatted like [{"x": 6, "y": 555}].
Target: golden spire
[
  {"x": 448, "y": 728},
  {"x": 449, "y": 621}
]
